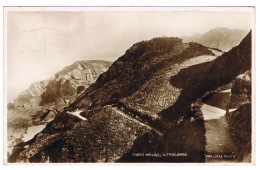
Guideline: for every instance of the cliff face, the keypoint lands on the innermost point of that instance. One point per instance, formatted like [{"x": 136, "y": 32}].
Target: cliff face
[
  {"x": 220, "y": 38},
  {"x": 63, "y": 87},
  {"x": 140, "y": 109},
  {"x": 26, "y": 114},
  {"x": 72, "y": 80},
  {"x": 31, "y": 96},
  {"x": 239, "y": 115}
]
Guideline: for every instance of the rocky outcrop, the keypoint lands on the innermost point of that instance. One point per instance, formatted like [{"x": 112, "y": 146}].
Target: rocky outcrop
[
  {"x": 62, "y": 87},
  {"x": 239, "y": 115},
  {"x": 72, "y": 80},
  {"x": 140, "y": 109},
  {"x": 30, "y": 97},
  {"x": 220, "y": 38}
]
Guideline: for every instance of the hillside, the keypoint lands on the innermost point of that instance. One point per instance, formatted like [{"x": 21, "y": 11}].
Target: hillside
[
  {"x": 74, "y": 79},
  {"x": 239, "y": 115},
  {"x": 220, "y": 38},
  {"x": 140, "y": 110},
  {"x": 39, "y": 104},
  {"x": 30, "y": 97}
]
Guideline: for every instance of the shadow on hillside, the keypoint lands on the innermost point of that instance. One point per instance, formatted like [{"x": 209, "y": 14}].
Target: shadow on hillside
[
  {"x": 150, "y": 142},
  {"x": 195, "y": 81},
  {"x": 198, "y": 79},
  {"x": 219, "y": 100},
  {"x": 184, "y": 130},
  {"x": 183, "y": 143},
  {"x": 186, "y": 75},
  {"x": 187, "y": 80}
]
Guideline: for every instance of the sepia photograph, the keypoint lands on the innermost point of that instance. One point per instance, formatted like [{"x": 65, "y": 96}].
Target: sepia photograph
[{"x": 129, "y": 85}]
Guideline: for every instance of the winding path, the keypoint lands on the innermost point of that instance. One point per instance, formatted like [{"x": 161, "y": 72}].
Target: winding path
[
  {"x": 220, "y": 145},
  {"x": 137, "y": 121},
  {"x": 77, "y": 113}
]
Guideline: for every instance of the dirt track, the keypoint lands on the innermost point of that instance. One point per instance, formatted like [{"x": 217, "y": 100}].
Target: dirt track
[{"x": 220, "y": 145}]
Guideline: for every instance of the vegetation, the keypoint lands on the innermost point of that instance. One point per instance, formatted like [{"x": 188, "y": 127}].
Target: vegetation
[
  {"x": 240, "y": 120},
  {"x": 145, "y": 74}
]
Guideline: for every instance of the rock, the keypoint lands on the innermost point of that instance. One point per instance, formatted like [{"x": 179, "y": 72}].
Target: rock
[
  {"x": 66, "y": 84},
  {"x": 239, "y": 115},
  {"x": 30, "y": 97},
  {"x": 71, "y": 77}
]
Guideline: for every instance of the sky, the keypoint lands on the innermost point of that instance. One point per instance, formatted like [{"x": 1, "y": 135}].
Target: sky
[{"x": 40, "y": 42}]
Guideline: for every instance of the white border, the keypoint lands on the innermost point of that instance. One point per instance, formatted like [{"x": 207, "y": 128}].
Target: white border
[
  {"x": 5, "y": 90},
  {"x": 133, "y": 3},
  {"x": 125, "y": 9},
  {"x": 129, "y": 3}
]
